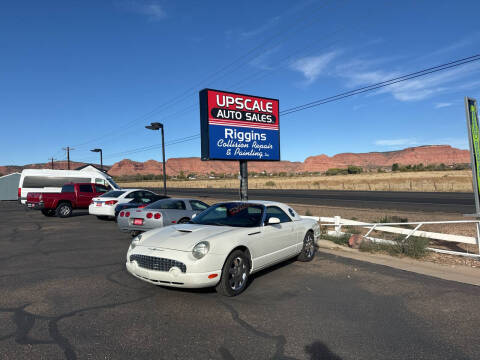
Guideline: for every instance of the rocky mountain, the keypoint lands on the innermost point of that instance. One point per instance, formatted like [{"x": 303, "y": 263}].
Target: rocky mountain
[{"x": 429, "y": 154}]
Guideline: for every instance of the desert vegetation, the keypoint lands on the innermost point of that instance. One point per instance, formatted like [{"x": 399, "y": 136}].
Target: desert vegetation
[{"x": 441, "y": 181}]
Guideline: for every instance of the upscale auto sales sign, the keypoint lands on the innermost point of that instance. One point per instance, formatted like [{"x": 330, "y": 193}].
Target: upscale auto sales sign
[{"x": 239, "y": 127}]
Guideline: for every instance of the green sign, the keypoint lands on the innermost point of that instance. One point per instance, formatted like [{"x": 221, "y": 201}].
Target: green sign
[{"x": 474, "y": 140}]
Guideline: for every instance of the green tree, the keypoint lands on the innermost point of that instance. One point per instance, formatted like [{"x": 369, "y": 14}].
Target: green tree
[
  {"x": 395, "y": 167},
  {"x": 354, "y": 169}
]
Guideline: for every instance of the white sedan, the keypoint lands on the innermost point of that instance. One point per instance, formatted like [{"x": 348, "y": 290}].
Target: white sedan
[
  {"x": 222, "y": 246},
  {"x": 104, "y": 205}
]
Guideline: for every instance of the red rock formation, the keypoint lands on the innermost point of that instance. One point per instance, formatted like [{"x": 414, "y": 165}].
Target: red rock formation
[{"x": 431, "y": 154}]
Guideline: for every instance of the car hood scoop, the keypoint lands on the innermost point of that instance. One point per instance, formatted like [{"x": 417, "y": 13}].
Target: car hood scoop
[{"x": 181, "y": 237}]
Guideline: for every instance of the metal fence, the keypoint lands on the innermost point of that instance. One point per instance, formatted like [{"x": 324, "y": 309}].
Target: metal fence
[{"x": 337, "y": 223}]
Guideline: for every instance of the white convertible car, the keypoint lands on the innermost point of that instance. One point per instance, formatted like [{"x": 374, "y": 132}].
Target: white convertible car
[{"x": 222, "y": 246}]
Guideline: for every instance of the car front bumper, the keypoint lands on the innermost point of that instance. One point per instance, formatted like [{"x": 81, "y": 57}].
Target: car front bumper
[
  {"x": 205, "y": 272},
  {"x": 174, "y": 278}
]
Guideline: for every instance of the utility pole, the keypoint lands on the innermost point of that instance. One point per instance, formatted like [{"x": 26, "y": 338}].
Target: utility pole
[
  {"x": 67, "y": 149},
  {"x": 52, "y": 161},
  {"x": 101, "y": 156}
]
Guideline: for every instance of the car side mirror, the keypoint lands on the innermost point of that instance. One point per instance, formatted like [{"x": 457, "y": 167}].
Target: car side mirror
[
  {"x": 194, "y": 215},
  {"x": 273, "y": 221}
]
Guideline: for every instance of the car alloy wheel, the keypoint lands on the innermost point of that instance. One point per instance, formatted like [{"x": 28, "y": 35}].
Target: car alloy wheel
[
  {"x": 309, "y": 245},
  {"x": 65, "y": 210},
  {"x": 308, "y": 249},
  {"x": 238, "y": 273},
  {"x": 235, "y": 273}
]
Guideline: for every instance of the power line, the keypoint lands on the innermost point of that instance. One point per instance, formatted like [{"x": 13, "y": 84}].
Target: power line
[
  {"x": 259, "y": 48},
  {"x": 385, "y": 83},
  {"x": 340, "y": 96}
]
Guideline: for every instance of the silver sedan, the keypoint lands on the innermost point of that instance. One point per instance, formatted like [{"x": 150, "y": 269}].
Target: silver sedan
[{"x": 158, "y": 214}]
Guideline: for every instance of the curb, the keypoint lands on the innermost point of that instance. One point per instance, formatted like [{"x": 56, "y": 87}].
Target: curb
[{"x": 462, "y": 274}]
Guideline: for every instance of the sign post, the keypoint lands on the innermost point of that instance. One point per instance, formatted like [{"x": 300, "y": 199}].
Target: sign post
[
  {"x": 474, "y": 141},
  {"x": 239, "y": 127}
]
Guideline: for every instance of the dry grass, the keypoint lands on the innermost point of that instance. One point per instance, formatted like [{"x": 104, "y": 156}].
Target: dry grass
[{"x": 442, "y": 181}]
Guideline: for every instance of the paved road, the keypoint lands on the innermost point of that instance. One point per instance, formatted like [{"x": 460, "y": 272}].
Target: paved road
[
  {"x": 65, "y": 294},
  {"x": 462, "y": 203}
]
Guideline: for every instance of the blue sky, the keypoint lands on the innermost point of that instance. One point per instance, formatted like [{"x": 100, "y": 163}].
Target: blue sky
[{"x": 92, "y": 73}]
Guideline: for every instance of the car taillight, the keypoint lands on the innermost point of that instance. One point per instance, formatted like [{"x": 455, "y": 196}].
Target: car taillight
[
  {"x": 121, "y": 213},
  {"x": 142, "y": 206},
  {"x": 19, "y": 193},
  {"x": 149, "y": 215},
  {"x": 157, "y": 216},
  {"x": 111, "y": 202},
  {"x": 127, "y": 214}
]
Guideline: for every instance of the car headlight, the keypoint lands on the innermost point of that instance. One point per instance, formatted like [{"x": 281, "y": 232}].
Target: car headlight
[
  {"x": 201, "y": 249},
  {"x": 136, "y": 241}
]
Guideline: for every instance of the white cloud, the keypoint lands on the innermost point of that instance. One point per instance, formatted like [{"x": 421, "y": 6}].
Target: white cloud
[
  {"x": 312, "y": 66},
  {"x": 269, "y": 24},
  {"x": 152, "y": 9},
  {"x": 412, "y": 90},
  {"x": 442, "y": 105},
  {"x": 396, "y": 142},
  {"x": 261, "y": 61}
]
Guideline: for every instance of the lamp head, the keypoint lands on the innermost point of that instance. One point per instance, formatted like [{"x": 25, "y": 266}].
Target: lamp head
[{"x": 155, "y": 126}]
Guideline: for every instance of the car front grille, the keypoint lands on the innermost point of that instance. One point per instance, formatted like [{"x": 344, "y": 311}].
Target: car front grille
[{"x": 157, "y": 263}]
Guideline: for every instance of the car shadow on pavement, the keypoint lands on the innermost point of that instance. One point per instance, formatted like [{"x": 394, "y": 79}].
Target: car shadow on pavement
[
  {"x": 79, "y": 213},
  {"x": 319, "y": 351}
]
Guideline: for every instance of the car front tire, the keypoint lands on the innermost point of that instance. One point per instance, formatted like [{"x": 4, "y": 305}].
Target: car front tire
[
  {"x": 234, "y": 274},
  {"x": 308, "y": 249}
]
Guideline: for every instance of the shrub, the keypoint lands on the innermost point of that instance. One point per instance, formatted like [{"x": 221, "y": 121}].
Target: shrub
[
  {"x": 392, "y": 219},
  {"x": 414, "y": 246},
  {"x": 270, "y": 183},
  {"x": 354, "y": 169},
  {"x": 308, "y": 213},
  {"x": 395, "y": 167},
  {"x": 335, "y": 171},
  {"x": 340, "y": 240}
]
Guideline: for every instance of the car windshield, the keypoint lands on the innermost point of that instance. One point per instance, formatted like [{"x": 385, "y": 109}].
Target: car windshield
[
  {"x": 231, "y": 214},
  {"x": 174, "y": 204},
  {"x": 112, "y": 194},
  {"x": 115, "y": 185}
]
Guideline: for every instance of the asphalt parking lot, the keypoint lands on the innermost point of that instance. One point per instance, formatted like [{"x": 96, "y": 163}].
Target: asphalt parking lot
[{"x": 65, "y": 294}]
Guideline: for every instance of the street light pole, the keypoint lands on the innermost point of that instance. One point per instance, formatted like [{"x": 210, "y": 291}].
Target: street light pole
[
  {"x": 164, "y": 169},
  {"x": 158, "y": 126},
  {"x": 101, "y": 156}
]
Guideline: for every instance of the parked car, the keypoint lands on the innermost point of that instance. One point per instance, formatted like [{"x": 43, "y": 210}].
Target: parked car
[
  {"x": 159, "y": 214},
  {"x": 46, "y": 180},
  {"x": 139, "y": 202},
  {"x": 72, "y": 196},
  {"x": 223, "y": 246},
  {"x": 104, "y": 205}
]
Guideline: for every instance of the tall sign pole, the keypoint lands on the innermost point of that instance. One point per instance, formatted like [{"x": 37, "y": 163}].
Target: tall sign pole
[
  {"x": 243, "y": 180},
  {"x": 473, "y": 127},
  {"x": 474, "y": 141},
  {"x": 239, "y": 127}
]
